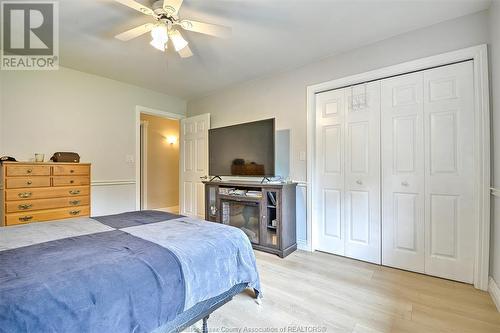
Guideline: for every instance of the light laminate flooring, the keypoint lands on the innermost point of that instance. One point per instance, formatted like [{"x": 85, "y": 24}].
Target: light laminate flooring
[{"x": 318, "y": 292}]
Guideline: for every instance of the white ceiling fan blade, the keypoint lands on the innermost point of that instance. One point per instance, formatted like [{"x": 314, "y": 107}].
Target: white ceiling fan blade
[
  {"x": 135, "y": 32},
  {"x": 206, "y": 28},
  {"x": 137, "y": 6},
  {"x": 185, "y": 52},
  {"x": 172, "y": 6}
]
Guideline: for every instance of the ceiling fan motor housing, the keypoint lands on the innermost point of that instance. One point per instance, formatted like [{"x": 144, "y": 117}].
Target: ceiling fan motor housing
[{"x": 162, "y": 13}]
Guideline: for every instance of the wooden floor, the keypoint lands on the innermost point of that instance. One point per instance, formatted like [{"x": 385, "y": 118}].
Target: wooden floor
[{"x": 318, "y": 292}]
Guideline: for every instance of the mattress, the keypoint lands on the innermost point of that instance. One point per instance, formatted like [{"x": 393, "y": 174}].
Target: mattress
[{"x": 131, "y": 272}]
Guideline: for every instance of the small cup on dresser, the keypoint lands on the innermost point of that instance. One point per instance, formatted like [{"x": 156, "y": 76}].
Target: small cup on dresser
[{"x": 39, "y": 157}]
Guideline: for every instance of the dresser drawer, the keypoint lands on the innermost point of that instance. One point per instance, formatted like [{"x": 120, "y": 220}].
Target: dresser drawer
[
  {"x": 27, "y": 170},
  {"x": 30, "y": 205},
  {"x": 20, "y": 182},
  {"x": 46, "y": 215},
  {"x": 70, "y": 170},
  {"x": 43, "y": 193},
  {"x": 68, "y": 180}
]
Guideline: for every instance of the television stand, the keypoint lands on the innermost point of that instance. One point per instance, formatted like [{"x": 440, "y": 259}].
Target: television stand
[{"x": 264, "y": 212}]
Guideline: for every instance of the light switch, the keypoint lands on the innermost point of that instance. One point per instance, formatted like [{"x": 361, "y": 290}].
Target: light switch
[{"x": 302, "y": 156}]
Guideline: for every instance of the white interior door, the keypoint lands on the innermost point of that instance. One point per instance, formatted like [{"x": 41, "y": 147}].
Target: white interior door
[
  {"x": 194, "y": 164},
  {"x": 403, "y": 172},
  {"x": 347, "y": 198},
  {"x": 329, "y": 181},
  {"x": 362, "y": 173},
  {"x": 449, "y": 172}
]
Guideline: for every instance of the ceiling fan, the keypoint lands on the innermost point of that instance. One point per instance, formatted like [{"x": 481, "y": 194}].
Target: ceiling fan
[{"x": 167, "y": 25}]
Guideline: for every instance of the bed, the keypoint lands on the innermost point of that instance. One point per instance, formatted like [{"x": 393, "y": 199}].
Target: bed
[{"x": 145, "y": 271}]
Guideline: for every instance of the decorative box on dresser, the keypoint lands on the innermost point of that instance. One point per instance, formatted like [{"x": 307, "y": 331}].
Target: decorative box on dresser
[{"x": 36, "y": 192}]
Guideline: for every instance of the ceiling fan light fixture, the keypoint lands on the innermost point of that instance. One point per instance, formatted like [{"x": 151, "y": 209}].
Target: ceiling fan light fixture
[
  {"x": 168, "y": 23},
  {"x": 160, "y": 46},
  {"x": 160, "y": 37},
  {"x": 177, "y": 39}
]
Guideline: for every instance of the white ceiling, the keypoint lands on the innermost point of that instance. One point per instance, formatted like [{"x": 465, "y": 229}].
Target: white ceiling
[{"x": 268, "y": 36}]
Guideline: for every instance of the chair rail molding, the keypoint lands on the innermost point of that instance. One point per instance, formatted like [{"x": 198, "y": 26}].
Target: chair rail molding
[
  {"x": 479, "y": 55},
  {"x": 112, "y": 182}
]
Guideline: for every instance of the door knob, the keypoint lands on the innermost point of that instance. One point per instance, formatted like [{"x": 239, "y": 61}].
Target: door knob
[
  {"x": 405, "y": 183},
  {"x": 359, "y": 182},
  {"x": 204, "y": 177}
]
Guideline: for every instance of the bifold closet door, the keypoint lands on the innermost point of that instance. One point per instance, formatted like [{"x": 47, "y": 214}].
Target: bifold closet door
[
  {"x": 449, "y": 172},
  {"x": 362, "y": 173},
  {"x": 428, "y": 215},
  {"x": 347, "y": 197},
  {"x": 329, "y": 198},
  {"x": 403, "y": 172}
]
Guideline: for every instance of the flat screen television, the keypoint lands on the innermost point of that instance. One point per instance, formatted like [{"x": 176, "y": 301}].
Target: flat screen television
[{"x": 242, "y": 150}]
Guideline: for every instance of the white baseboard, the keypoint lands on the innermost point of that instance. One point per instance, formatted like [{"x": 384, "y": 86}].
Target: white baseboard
[
  {"x": 494, "y": 292},
  {"x": 302, "y": 245}
]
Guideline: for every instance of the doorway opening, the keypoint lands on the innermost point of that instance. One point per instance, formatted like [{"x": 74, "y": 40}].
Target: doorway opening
[{"x": 158, "y": 162}]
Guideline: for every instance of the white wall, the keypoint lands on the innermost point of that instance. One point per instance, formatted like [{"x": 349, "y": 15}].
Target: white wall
[
  {"x": 495, "y": 125},
  {"x": 283, "y": 95},
  {"x": 68, "y": 110}
]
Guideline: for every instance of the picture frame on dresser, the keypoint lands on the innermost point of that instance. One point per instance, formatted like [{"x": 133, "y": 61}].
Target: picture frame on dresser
[{"x": 37, "y": 192}]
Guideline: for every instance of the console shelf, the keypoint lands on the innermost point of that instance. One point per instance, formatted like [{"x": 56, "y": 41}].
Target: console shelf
[{"x": 268, "y": 220}]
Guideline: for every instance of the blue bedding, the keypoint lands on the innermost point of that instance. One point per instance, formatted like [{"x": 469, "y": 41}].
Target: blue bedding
[
  {"x": 214, "y": 258},
  {"x": 122, "y": 280},
  {"x": 104, "y": 282},
  {"x": 131, "y": 219}
]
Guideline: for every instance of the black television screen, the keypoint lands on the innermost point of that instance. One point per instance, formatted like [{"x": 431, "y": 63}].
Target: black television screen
[{"x": 242, "y": 150}]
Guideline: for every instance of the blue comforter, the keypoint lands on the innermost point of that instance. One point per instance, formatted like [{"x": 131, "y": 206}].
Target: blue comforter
[{"x": 123, "y": 280}]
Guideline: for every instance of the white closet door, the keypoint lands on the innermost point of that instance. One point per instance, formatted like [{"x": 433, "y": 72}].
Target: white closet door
[
  {"x": 347, "y": 198},
  {"x": 329, "y": 195},
  {"x": 403, "y": 172},
  {"x": 362, "y": 173},
  {"x": 449, "y": 172}
]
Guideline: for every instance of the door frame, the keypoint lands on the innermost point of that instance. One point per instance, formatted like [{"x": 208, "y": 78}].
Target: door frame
[
  {"x": 479, "y": 55},
  {"x": 143, "y": 161},
  {"x": 152, "y": 112}
]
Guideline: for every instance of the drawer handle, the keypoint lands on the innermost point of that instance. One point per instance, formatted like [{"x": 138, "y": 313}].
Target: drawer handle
[
  {"x": 71, "y": 181},
  {"x": 29, "y": 182},
  {"x": 25, "y": 218},
  {"x": 74, "y": 192},
  {"x": 24, "y": 195},
  {"x": 74, "y": 202},
  {"x": 359, "y": 182},
  {"x": 29, "y": 171},
  {"x": 25, "y": 206},
  {"x": 71, "y": 171},
  {"x": 74, "y": 212}
]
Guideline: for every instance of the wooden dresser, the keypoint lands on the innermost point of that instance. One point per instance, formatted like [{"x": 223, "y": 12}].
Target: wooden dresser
[{"x": 35, "y": 192}]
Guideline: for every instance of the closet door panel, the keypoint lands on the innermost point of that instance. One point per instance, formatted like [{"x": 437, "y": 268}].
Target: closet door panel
[
  {"x": 403, "y": 172},
  {"x": 449, "y": 170},
  {"x": 329, "y": 193},
  {"x": 362, "y": 173}
]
